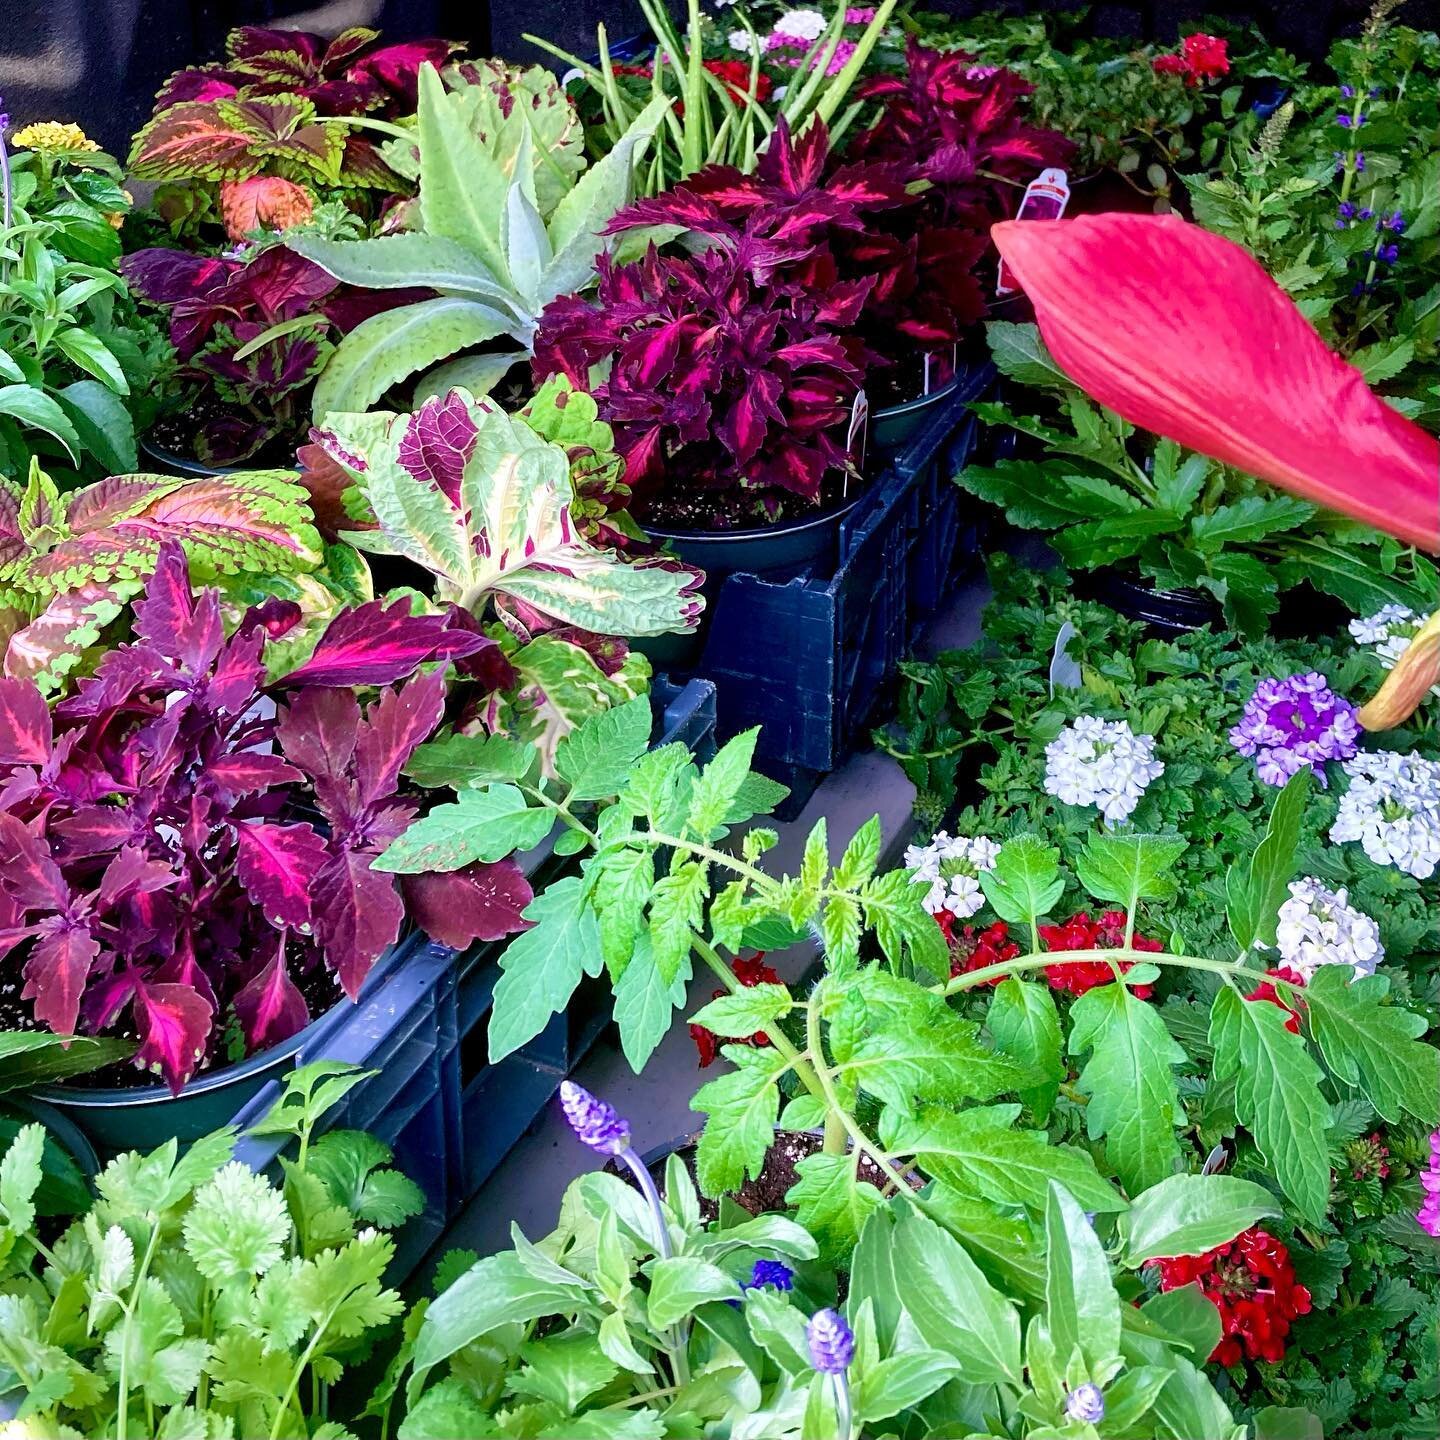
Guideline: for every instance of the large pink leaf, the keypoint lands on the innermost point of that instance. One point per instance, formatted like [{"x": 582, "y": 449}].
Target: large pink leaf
[
  {"x": 1184, "y": 334},
  {"x": 25, "y": 729},
  {"x": 173, "y": 1023},
  {"x": 27, "y": 873},
  {"x": 480, "y": 902},
  {"x": 376, "y": 645},
  {"x": 270, "y": 1008},
  {"x": 56, "y": 972},
  {"x": 357, "y": 914},
  {"x": 278, "y": 866}
]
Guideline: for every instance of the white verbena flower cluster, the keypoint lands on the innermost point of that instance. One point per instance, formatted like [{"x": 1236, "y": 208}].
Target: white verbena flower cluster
[
  {"x": 1393, "y": 809},
  {"x": 801, "y": 24},
  {"x": 1387, "y": 632},
  {"x": 741, "y": 40},
  {"x": 1103, "y": 763},
  {"x": 949, "y": 865},
  {"x": 1318, "y": 926}
]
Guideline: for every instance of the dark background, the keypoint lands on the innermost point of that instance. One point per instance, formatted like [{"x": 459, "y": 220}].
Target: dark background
[{"x": 99, "y": 62}]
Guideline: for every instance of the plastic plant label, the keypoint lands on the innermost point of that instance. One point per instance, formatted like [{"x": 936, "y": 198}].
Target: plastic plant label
[
  {"x": 1046, "y": 197},
  {"x": 858, "y": 433},
  {"x": 1064, "y": 668}
]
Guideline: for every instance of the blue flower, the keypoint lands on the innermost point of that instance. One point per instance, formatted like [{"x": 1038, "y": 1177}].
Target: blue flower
[
  {"x": 832, "y": 1342},
  {"x": 1389, "y": 253},
  {"x": 1342, "y": 119},
  {"x": 770, "y": 1272},
  {"x": 1348, "y": 91}
]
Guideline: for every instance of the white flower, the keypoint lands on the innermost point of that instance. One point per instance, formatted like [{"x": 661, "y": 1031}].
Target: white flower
[
  {"x": 1101, "y": 763},
  {"x": 1387, "y": 632},
  {"x": 1318, "y": 926},
  {"x": 948, "y": 866},
  {"x": 741, "y": 40},
  {"x": 801, "y": 24},
  {"x": 1393, "y": 809}
]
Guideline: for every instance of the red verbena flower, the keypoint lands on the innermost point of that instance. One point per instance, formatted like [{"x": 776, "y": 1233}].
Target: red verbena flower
[
  {"x": 1166, "y": 65},
  {"x": 1206, "y": 56},
  {"x": 972, "y": 950},
  {"x": 1251, "y": 1282},
  {"x": 1368, "y": 1157},
  {"x": 1266, "y": 991},
  {"x": 750, "y": 970},
  {"x": 1080, "y": 932}
]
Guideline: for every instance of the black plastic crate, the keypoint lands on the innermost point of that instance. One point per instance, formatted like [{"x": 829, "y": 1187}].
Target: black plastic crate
[
  {"x": 808, "y": 656},
  {"x": 449, "y": 1115}
]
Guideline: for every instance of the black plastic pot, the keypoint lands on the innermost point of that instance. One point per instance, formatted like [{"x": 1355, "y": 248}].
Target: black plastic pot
[
  {"x": 1167, "y": 612},
  {"x": 140, "y": 1117},
  {"x": 893, "y": 428},
  {"x": 788, "y": 545},
  {"x": 171, "y": 462}
]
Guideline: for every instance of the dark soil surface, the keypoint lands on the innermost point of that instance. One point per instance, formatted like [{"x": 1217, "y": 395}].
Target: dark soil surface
[
  {"x": 176, "y": 432},
  {"x": 735, "y": 509}
]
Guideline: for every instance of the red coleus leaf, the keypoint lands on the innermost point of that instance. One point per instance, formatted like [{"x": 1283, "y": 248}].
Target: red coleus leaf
[
  {"x": 27, "y": 873},
  {"x": 374, "y": 645},
  {"x": 25, "y": 729},
  {"x": 480, "y": 902},
  {"x": 357, "y": 914},
  {"x": 1183, "y": 333},
  {"x": 173, "y": 1022},
  {"x": 396, "y": 724},
  {"x": 56, "y": 972},
  {"x": 247, "y": 773},
  {"x": 278, "y": 866},
  {"x": 270, "y": 1008}
]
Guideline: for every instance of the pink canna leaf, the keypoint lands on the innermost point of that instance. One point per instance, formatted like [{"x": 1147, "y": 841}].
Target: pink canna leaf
[
  {"x": 56, "y": 972},
  {"x": 269, "y": 1007},
  {"x": 25, "y": 728},
  {"x": 1183, "y": 333},
  {"x": 278, "y": 866},
  {"x": 376, "y": 645},
  {"x": 357, "y": 914},
  {"x": 480, "y": 902},
  {"x": 173, "y": 1022}
]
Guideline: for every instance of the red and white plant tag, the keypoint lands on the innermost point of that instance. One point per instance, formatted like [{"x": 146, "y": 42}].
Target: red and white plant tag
[
  {"x": 1045, "y": 198},
  {"x": 858, "y": 433}
]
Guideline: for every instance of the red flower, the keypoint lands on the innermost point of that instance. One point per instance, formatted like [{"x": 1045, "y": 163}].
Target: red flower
[
  {"x": 1266, "y": 991},
  {"x": 1166, "y": 65},
  {"x": 1080, "y": 932},
  {"x": 751, "y": 971},
  {"x": 1206, "y": 57},
  {"x": 736, "y": 75},
  {"x": 970, "y": 951},
  {"x": 1251, "y": 1282}
]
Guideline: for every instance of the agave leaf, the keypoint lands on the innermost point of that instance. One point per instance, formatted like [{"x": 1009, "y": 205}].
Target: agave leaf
[
  {"x": 479, "y": 374},
  {"x": 522, "y": 232}
]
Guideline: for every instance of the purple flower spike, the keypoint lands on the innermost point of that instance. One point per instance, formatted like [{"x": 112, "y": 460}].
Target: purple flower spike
[
  {"x": 1429, "y": 1216},
  {"x": 594, "y": 1122},
  {"x": 1294, "y": 723},
  {"x": 1342, "y": 119},
  {"x": 1389, "y": 253},
  {"x": 1085, "y": 1403},
  {"x": 832, "y": 1342},
  {"x": 1347, "y": 210},
  {"x": 1348, "y": 91},
  {"x": 1360, "y": 162},
  {"x": 770, "y": 1272}
]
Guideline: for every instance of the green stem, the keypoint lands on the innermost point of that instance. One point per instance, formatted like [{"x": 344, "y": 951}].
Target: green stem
[
  {"x": 1230, "y": 969},
  {"x": 122, "y": 1402}
]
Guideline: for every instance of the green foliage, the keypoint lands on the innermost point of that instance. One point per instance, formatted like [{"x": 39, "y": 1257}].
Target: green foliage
[{"x": 196, "y": 1297}]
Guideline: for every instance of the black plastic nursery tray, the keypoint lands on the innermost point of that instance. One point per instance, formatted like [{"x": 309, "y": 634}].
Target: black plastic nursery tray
[
  {"x": 450, "y": 1115},
  {"x": 807, "y": 654}
]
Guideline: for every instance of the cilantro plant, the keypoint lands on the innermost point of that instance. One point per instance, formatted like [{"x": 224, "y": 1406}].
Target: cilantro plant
[
  {"x": 1111, "y": 496},
  {"x": 196, "y": 1297}
]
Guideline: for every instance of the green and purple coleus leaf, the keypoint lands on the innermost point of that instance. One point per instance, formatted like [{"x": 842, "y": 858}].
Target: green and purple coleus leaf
[{"x": 481, "y": 501}]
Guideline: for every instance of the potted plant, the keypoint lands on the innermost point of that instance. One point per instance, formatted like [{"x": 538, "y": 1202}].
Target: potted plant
[
  {"x": 258, "y": 140},
  {"x": 165, "y": 875}
]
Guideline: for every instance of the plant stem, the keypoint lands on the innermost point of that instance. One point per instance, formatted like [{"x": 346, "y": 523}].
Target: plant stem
[
  {"x": 1230, "y": 969},
  {"x": 122, "y": 1401}
]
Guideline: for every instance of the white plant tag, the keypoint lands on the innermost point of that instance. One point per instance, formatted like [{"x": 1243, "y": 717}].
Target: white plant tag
[
  {"x": 1064, "y": 668},
  {"x": 1046, "y": 197},
  {"x": 859, "y": 431}
]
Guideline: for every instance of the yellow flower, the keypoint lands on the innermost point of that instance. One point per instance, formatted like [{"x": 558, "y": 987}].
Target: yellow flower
[{"x": 52, "y": 135}]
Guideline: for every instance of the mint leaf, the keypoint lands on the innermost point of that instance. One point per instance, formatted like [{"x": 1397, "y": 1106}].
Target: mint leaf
[
  {"x": 542, "y": 966},
  {"x": 1277, "y": 1095},
  {"x": 1134, "y": 1104}
]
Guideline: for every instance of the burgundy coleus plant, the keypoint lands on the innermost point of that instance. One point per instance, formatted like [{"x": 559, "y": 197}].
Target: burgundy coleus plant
[
  {"x": 712, "y": 377},
  {"x": 180, "y": 845},
  {"x": 219, "y": 307},
  {"x": 964, "y": 125},
  {"x": 850, "y": 227}
]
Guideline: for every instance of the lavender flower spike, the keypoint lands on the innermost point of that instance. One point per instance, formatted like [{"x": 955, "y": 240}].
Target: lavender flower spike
[
  {"x": 594, "y": 1122},
  {"x": 1085, "y": 1403},
  {"x": 1295, "y": 723},
  {"x": 832, "y": 1342}
]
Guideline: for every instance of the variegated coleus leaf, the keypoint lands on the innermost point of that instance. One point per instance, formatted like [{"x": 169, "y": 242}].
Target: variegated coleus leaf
[
  {"x": 482, "y": 501},
  {"x": 70, "y": 562}
]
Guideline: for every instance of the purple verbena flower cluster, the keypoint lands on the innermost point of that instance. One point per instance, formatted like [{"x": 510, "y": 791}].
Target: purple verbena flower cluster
[
  {"x": 1429, "y": 1216},
  {"x": 1293, "y": 723}
]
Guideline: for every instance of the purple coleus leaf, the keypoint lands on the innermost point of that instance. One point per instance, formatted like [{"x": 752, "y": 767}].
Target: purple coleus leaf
[
  {"x": 25, "y": 729},
  {"x": 278, "y": 866},
  {"x": 480, "y": 902},
  {"x": 375, "y": 644},
  {"x": 437, "y": 441},
  {"x": 270, "y": 1008},
  {"x": 173, "y": 1022}
]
